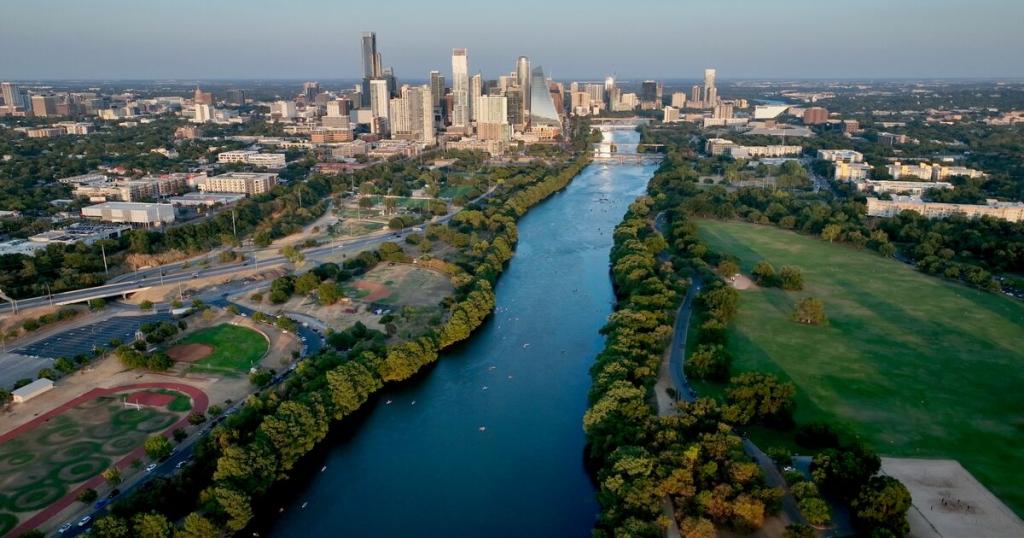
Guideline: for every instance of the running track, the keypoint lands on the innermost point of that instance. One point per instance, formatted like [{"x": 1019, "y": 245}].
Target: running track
[{"x": 199, "y": 404}]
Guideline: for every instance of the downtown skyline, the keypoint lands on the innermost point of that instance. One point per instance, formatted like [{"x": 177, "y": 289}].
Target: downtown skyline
[{"x": 864, "y": 40}]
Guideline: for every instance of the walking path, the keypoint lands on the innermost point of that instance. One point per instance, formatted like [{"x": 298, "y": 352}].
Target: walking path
[{"x": 670, "y": 375}]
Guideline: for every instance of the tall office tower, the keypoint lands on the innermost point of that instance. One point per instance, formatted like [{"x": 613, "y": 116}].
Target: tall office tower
[
  {"x": 505, "y": 82},
  {"x": 476, "y": 90},
  {"x": 388, "y": 74},
  {"x": 13, "y": 96},
  {"x": 44, "y": 105},
  {"x": 235, "y": 97},
  {"x": 310, "y": 90},
  {"x": 648, "y": 93},
  {"x": 436, "y": 88},
  {"x": 710, "y": 91},
  {"x": 543, "y": 115},
  {"x": 678, "y": 100},
  {"x": 371, "y": 65},
  {"x": 492, "y": 118},
  {"x": 421, "y": 101},
  {"x": 722, "y": 111},
  {"x": 371, "y": 60},
  {"x": 379, "y": 96},
  {"x": 596, "y": 92},
  {"x": 610, "y": 94},
  {"x": 283, "y": 109},
  {"x": 525, "y": 80},
  {"x": 399, "y": 117},
  {"x": 460, "y": 89},
  {"x": 515, "y": 108},
  {"x": 695, "y": 94},
  {"x": 338, "y": 107},
  {"x": 557, "y": 96},
  {"x": 203, "y": 114}
]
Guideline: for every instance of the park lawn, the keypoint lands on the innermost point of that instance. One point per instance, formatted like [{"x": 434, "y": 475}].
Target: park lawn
[
  {"x": 912, "y": 364},
  {"x": 235, "y": 348}
]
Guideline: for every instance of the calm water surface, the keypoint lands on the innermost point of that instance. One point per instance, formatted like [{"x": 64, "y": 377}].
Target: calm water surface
[{"x": 421, "y": 466}]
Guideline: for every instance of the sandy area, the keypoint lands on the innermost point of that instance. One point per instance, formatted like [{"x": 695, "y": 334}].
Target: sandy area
[
  {"x": 948, "y": 502},
  {"x": 189, "y": 352},
  {"x": 741, "y": 282}
]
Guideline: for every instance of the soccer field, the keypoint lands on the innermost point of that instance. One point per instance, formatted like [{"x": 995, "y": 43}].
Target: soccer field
[{"x": 915, "y": 365}]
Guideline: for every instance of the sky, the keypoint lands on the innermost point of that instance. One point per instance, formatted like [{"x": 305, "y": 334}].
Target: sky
[{"x": 667, "y": 39}]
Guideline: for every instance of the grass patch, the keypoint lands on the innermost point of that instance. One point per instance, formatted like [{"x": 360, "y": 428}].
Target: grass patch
[
  {"x": 235, "y": 348},
  {"x": 912, "y": 364}
]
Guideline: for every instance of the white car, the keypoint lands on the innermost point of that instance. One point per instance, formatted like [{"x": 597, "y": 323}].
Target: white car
[
  {"x": 64, "y": 528},
  {"x": 150, "y": 467},
  {"x": 84, "y": 521}
]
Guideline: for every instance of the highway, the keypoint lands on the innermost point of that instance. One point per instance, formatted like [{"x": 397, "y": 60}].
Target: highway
[{"x": 178, "y": 272}]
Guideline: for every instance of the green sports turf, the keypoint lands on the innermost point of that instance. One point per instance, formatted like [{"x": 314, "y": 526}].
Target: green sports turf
[
  {"x": 43, "y": 464},
  {"x": 915, "y": 365},
  {"x": 235, "y": 348}
]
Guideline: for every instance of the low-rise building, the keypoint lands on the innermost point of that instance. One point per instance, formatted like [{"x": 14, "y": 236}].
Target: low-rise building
[
  {"x": 934, "y": 172},
  {"x": 84, "y": 232},
  {"x": 670, "y": 114},
  {"x": 205, "y": 199},
  {"x": 851, "y": 171},
  {"x": 247, "y": 183},
  {"x": 721, "y": 146},
  {"x": 841, "y": 155},
  {"x": 143, "y": 214},
  {"x": 913, "y": 188},
  {"x": 1009, "y": 211},
  {"x": 255, "y": 158}
]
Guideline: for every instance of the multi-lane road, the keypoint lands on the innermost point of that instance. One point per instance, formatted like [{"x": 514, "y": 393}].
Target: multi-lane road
[{"x": 180, "y": 272}]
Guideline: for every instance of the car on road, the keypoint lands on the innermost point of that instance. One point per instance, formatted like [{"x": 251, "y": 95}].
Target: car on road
[
  {"x": 195, "y": 274},
  {"x": 150, "y": 467},
  {"x": 180, "y": 464},
  {"x": 64, "y": 528},
  {"x": 84, "y": 521}
]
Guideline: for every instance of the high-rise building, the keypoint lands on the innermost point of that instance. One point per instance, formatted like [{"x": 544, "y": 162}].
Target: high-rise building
[
  {"x": 203, "y": 114},
  {"x": 524, "y": 80},
  {"x": 371, "y": 65},
  {"x": 436, "y": 88},
  {"x": 310, "y": 90},
  {"x": 13, "y": 96},
  {"x": 648, "y": 93},
  {"x": 695, "y": 94},
  {"x": 678, "y": 99},
  {"x": 461, "y": 108},
  {"x": 710, "y": 91},
  {"x": 284, "y": 110},
  {"x": 379, "y": 98},
  {"x": 44, "y": 105},
  {"x": 515, "y": 108},
  {"x": 235, "y": 97},
  {"x": 476, "y": 85},
  {"x": 543, "y": 114},
  {"x": 722, "y": 111},
  {"x": 596, "y": 92},
  {"x": 412, "y": 115}
]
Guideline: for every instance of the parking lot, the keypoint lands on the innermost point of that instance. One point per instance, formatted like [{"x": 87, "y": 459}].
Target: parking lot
[{"x": 82, "y": 340}]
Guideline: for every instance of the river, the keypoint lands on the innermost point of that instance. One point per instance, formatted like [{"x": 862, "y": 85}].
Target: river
[{"x": 489, "y": 441}]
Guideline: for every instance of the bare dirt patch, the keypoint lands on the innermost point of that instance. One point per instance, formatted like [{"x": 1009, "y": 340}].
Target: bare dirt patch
[
  {"x": 151, "y": 399},
  {"x": 949, "y": 502},
  {"x": 375, "y": 290},
  {"x": 741, "y": 282},
  {"x": 189, "y": 352}
]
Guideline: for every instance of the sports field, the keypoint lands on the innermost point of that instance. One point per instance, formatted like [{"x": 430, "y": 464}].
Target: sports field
[
  {"x": 915, "y": 365},
  {"x": 48, "y": 459},
  {"x": 232, "y": 349}
]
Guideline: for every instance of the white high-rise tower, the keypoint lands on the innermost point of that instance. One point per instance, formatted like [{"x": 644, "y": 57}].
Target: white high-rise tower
[{"x": 460, "y": 89}]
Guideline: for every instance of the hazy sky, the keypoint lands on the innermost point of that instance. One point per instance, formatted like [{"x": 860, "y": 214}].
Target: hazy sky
[{"x": 319, "y": 39}]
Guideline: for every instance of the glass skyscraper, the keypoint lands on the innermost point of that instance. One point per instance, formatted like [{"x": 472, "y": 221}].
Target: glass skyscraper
[{"x": 542, "y": 108}]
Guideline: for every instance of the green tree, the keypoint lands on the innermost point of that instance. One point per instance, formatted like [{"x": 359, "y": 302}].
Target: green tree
[
  {"x": 755, "y": 397},
  {"x": 110, "y": 526},
  {"x": 329, "y": 293},
  {"x": 152, "y": 525},
  {"x": 831, "y": 232},
  {"x": 708, "y": 362},
  {"x": 882, "y": 504},
  {"x": 810, "y": 311},
  {"x": 158, "y": 447},
  {"x": 146, "y": 305},
  {"x": 306, "y": 283},
  {"x": 843, "y": 471},
  {"x": 197, "y": 526},
  {"x": 764, "y": 274},
  {"x": 815, "y": 510},
  {"x": 235, "y": 504},
  {"x": 112, "y": 475},
  {"x": 88, "y": 495},
  {"x": 728, "y": 268},
  {"x": 791, "y": 278}
]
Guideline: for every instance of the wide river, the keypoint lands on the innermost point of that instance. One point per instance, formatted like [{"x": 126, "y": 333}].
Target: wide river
[{"x": 489, "y": 441}]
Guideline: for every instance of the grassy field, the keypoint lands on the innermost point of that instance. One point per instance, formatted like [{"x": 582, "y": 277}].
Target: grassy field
[
  {"x": 43, "y": 464},
  {"x": 914, "y": 365},
  {"x": 235, "y": 348}
]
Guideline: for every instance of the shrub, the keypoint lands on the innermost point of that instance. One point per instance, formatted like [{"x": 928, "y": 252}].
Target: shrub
[
  {"x": 810, "y": 311},
  {"x": 791, "y": 278},
  {"x": 88, "y": 495}
]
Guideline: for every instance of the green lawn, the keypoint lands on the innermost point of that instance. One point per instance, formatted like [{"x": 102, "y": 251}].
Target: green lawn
[
  {"x": 915, "y": 365},
  {"x": 235, "y": 348}
]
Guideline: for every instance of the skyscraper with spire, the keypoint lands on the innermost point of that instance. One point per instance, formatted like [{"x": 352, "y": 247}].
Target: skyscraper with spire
[
  {"x": 371, "y": 64},
  {"x": 525, "y": 80}
]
